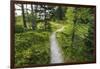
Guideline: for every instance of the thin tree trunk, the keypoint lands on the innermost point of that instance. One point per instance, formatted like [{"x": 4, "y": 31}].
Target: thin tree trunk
[
  {"x": 45, "y": 18},
  {"x": 33, "y": 19},
  {"x": 24, "y": 21},
  {"x": 27, "y": 13}
]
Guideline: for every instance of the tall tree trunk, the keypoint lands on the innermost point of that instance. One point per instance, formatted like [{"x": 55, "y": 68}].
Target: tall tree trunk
[
  {"x": 45, "y": 19},
  {"x": 27, "y": 16},
  {"x": 33, "y": 19},
  {"x": 23, "y": 14}
]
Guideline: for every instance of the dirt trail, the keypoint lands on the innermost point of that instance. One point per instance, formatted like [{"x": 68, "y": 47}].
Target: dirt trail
[{"x": 56, "y": 56}]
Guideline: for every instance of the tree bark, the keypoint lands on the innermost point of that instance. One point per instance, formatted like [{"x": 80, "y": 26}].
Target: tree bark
[
  {"x": 24, "y": 21},
  {"x": 33, "y": 19}
]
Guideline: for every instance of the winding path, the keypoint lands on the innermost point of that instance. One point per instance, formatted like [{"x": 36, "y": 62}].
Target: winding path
[{"x": 56, "y": 56}]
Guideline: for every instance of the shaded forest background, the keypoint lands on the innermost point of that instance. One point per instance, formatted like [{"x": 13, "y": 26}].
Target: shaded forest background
[{"x": 35, "y": 24}]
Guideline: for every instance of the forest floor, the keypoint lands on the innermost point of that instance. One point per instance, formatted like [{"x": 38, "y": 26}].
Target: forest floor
[{"x": 56, "y": 55}]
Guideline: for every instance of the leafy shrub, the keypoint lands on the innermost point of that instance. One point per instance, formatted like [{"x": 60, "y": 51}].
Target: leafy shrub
[
  {"x": 19, "y": 29},
  {"x": 32, "y": 48},
  {"x": 77, "y": 52}
]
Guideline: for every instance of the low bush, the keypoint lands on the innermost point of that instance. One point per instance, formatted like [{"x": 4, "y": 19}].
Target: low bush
[
  {"x": 32, "y": 48},
  {"x": 19, "y": 29},
  {"x": 77, "y": 52}
]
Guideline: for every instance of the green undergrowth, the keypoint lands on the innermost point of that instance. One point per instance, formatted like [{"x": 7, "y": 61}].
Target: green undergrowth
[
  {"x": 55, "y": 25},
  {"x": 77, "y": 52},
  {"x": 32, "y": 48}
]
